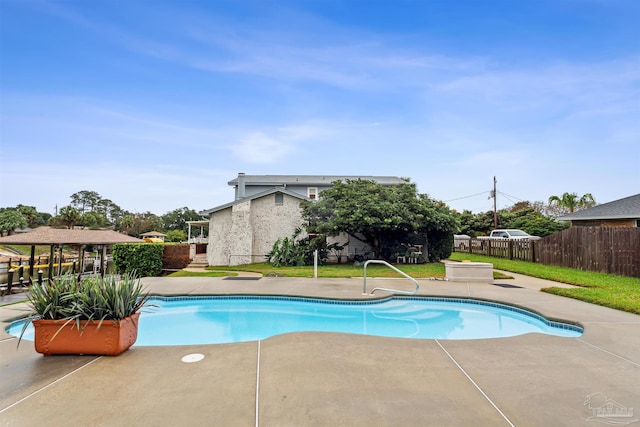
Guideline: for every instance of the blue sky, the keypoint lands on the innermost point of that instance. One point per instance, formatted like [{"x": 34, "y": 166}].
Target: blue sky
[{"x": 157, "y": 104}]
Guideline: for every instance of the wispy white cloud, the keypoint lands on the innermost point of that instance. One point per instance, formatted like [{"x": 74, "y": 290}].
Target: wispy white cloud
[
  {"x": 340, "y": 57},
  {"x": 270, "y": 91},
  {"x": 589, "y": 83},
  {"x": 258, "y": 147}
]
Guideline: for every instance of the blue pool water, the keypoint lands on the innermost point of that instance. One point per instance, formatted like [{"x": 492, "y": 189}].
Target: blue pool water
[{"x": 212, "y": 320}]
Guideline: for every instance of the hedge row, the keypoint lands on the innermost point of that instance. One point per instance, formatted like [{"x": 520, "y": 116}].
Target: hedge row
[{"x": 144, "y": 259}]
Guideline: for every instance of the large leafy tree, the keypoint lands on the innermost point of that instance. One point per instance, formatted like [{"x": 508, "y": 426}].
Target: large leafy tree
[
  {"x": 478, "y": 224},
  {"x": 177, "y": 219},
  {"x": 11, "y": 219},
  {"x": 31, "y": 215},
  {"x": 92, "y": 220},
  {"x": 382, "y": 216},
  {"x": 176, "y": 236},
  {"x": 85, "y": 200},
  {"x": 525, "y": 216},
  {"x": 533, "y": 222},
  {"x": 91, "y": 202},
  {"x": 138, "y": 223},
  {"x": 569, "y": 202},
  {"x": 111, "y": 212}
]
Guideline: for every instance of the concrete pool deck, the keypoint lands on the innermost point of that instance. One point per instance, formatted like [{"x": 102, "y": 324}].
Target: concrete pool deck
[{"x": 327, "y": 379}]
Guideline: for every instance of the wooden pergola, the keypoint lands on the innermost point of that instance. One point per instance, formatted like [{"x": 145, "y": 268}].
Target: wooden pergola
[{"x": 57, "y": 238}]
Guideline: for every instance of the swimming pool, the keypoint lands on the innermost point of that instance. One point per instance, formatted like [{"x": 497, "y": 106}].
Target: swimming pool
[{"x": 214, "y": 320}]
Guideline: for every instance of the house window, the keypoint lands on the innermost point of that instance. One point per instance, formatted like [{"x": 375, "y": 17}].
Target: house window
[
  {"x": 312, "y": 193},
  {"x": 279, "y": 199}
]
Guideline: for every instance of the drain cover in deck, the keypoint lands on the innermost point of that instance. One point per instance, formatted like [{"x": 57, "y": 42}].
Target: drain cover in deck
[{"x": 506, "y": 285}]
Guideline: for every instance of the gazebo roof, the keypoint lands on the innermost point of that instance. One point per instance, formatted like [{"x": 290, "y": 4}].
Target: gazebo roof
[
  {"x": 56, "y": 236},
  {"x": 153, "y": 233}
]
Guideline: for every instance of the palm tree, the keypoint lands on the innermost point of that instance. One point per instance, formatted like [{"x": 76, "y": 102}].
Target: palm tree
[
  {"x": 69, "y": 216},
  {"x": 570, "y": 202}
]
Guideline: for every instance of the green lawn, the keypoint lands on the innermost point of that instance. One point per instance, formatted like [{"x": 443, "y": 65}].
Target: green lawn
[
  {"x": 26, "y": 250},
  {"x": 609, "y": 290},
  {"x": 185, "y": 273},
  {"x": 341, "y": 270},
  {"x": 419, "y": 271}
]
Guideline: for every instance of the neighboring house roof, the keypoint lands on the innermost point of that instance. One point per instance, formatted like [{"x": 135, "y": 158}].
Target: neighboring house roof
[
  {"x": 56, "y": 236},
  {"x": 153, "y": 234},
  {"x": 253, "y": 197},
  {"x": 22, "y": 230},
  {"x": 312, "y": 180},
  {"x": 627, "y": 208}
]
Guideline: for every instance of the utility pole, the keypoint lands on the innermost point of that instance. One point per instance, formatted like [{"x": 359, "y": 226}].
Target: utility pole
[{"x": 495, "y": 210}]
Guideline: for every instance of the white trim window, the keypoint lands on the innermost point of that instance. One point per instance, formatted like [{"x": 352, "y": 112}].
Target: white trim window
[{"x": 312, "y": 193}]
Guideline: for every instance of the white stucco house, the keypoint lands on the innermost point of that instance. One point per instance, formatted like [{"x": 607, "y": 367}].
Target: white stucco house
[{"x": 267, "y": 208}]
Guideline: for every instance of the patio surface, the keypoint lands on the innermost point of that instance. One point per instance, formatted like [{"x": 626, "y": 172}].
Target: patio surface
[{"x": 330, "y": 379}]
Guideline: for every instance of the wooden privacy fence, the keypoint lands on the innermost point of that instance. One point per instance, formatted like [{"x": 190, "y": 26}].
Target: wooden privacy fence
[
  {"x": 614, "y": 250},
  {"x": 521, "y": 250}
]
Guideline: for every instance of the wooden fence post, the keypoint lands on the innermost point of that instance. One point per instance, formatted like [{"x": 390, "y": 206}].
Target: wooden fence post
[
  {"x": 9, "y": 279},
  {"x": 533, "y": 250},
  {"x": 32, "y": 260},
  {"x": 50, "y": 271}
]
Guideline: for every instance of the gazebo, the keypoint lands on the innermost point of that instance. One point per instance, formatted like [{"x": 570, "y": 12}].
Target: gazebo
[
  {"x": 54, "y": 237},
  {"x": 158, "y": 236}
]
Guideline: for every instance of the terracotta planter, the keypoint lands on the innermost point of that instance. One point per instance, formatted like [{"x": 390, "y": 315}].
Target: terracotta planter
[{"x": 110, "y": 339}]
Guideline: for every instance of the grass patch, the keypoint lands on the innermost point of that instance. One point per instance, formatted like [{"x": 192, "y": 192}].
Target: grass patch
[
  {"x": 609, "y": 290},
  {"x": 340, "y": 270},
  {"x": 501, "y": 275},
  {"x": 185, "y": 273},
  {"x": 26, "y": 249}
]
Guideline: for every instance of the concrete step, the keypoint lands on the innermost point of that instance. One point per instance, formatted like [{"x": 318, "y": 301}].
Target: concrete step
[{"x": 198, "y": 264}]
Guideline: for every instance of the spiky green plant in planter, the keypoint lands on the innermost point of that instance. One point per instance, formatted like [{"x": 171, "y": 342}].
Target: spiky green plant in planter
[{"x": 81, "y": 308}]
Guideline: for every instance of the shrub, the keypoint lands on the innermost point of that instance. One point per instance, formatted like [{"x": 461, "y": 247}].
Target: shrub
[
  {"x": 94, "y": 298},
  {"x": 292, "y": 251},
  {"x": 143, "y": 259}
]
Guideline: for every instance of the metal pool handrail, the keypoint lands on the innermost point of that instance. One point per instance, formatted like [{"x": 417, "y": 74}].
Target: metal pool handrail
[{"x": 377, "y": 261}]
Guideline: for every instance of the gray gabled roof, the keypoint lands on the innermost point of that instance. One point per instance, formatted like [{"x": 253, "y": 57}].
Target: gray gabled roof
[
  {"x": 253, "y": 197},
  {"x": 312, "y": 180},
  {"x": 627, "y": 208}
]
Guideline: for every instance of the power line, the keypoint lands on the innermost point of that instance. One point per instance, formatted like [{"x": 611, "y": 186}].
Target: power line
[
  {"x": 506, "y": 196},
  {"x": 513, "y": 197},
  {"x": 466, "y": 197}
]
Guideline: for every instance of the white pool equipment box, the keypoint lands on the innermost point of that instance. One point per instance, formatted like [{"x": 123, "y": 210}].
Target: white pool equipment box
[{"x": 466, "y": 271}]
